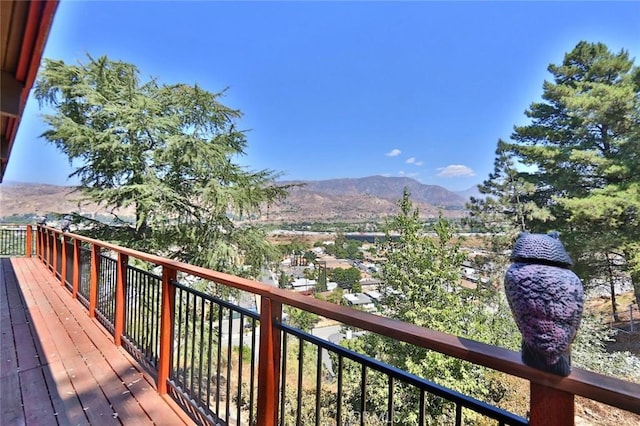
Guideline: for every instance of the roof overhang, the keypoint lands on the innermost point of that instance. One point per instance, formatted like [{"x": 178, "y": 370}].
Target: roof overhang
[{"x": 24, "y": 30}]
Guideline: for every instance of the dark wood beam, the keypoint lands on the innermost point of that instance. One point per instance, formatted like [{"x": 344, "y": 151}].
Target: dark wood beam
[{"x": 10, "y": 92}]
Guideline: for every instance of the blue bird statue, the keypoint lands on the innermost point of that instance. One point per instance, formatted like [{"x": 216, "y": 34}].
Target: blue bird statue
[{"x": 546, "y": 300}]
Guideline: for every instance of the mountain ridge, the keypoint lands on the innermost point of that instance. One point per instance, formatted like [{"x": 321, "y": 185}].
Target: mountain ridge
[
  {"x": 386, "y": 187},
  {"x": 370, "y": 198}
]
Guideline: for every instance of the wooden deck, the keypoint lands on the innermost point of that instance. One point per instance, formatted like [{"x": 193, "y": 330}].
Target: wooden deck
[{"x": 58, "y": 366}]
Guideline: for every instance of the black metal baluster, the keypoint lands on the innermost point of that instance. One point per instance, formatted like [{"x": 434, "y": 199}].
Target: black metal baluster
[
  {"x": 228, "y": 387},
  {"x": 339, "y": 409},
  {"x": 390, "y": 407},
  {"x": 363, "y": 395},
  {"x": 192, "y": 364},
  {"x": 318, "y": 382},
  {"x": 300, "y": 375},
  {"x": 179, "y": 371},
  {"x": 209, "y": 346},
  {"x": 283, "y": 375},
  {"x": 219, "y": 363},
  {"x": 240, "y": 353},
  {"x": 253, "y": 367}
]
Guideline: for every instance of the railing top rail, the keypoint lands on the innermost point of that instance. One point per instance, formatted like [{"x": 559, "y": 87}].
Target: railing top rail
[
  {"x": 612, "y": 391},
  {"x": 208, "y": 274}
]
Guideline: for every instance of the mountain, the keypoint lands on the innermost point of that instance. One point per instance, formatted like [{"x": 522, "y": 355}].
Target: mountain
[
  {"x": 38, "y": 199},
  {"x": 388, "y": 188},
  {"x": 470, "y": 192},
  {"x": 366, "y": 199}
]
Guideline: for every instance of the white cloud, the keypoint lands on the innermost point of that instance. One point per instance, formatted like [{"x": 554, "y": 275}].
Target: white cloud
[
  {"x": 412, "y": 160},
  {"x": 401, "y": 173},
  {"x": 455, "y": 170},
  {"x": 393, "y": 153}
]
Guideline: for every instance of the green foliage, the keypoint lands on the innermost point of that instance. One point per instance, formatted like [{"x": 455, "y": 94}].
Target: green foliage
[
  {"x": 334, "y": 296},
  {"x": 346, "y": 278},
  {"x": 582, "y": 151},
  {"x": 589, "y": 351},
  {"x": 321, "y": 279},
  {"x": 284, "y": 280},
  {"x": 309, "y": 256},
  {"x": 165, "y": 151},
  {"x": 422, "y": 287},
  {"x": 293, "y": 247},
  {"x": 344, "y": 248},
  {"x": 303, "y": 320},
  {"x": 574, "y": 167}
]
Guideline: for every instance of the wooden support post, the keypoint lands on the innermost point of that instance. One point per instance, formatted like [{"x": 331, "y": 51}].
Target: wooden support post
[
  {"x": 63, "y": 259},
  {"x": 121, "y": 288},
  {"x": 37, "y": 231},
  {"x": 95, "y": 274},
  {"x": 75, "y": 285},
  {"x": 269, "y": 362},
  {"x": 29, "y": 242},
  {"x": 54, "y": 262},
  {"x": 39, "y": 241},
  {"x": 550, "y": 407},
  {"x": 45, "y": 247},
  {"x": 166, "y": 327}
]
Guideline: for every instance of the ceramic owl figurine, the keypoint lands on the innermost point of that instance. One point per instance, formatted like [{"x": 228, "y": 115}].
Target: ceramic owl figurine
[{"x": 546, "y": 299}]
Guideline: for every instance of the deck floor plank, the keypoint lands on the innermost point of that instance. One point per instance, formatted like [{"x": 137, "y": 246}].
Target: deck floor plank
[
  {"x": 55, "y": 354},
  {"x": 9, "y": 359},
  {"x": 118, "y": 396},
  {"x": 38, "y": 408},
  {"x": 11, "y": 410},
  {"x": 67, "y": 406}
]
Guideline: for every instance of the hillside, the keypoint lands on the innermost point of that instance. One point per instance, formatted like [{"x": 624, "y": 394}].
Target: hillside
[
  {"x": 39, "y": 199},
  {"x": 388, "y": 188},
  {"x": 349, "y": 200}
]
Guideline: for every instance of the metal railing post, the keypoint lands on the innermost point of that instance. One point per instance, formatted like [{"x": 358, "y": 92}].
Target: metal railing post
[
  {"x": 29, "y": 242},
  {"x": 121, "y": 285},
  {"x": 95, "y": 274},
  {"x": 550, "y": 407},
  {"x": 269, "y": 361},
  {"x": 166, "y": 327}
]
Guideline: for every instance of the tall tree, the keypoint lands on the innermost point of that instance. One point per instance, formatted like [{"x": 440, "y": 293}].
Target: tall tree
[
  {"x": 167, "y": 152},
  {"x": 422, "y": 277},
  {"x": 578, "y": 159}
]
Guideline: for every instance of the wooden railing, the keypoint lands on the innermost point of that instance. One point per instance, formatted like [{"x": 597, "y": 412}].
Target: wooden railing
[
  {"x": 551, "y": 397},
  {"x": 16, "y": 240}
]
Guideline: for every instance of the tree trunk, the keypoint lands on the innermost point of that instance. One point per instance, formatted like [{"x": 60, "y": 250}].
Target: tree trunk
[
  {"x": 635, "y": 279},
  {"x": 614, "y": 304}
]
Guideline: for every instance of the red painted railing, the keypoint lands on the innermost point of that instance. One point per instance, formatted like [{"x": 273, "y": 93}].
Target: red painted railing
[{"x": 551, "y": 397}]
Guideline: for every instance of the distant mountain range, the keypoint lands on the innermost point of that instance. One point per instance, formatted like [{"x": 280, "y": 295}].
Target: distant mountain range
[
  {"x": 363, "y": 199},
  {"x": 352, "y": 199},
  {"x": 389, "y": 188}
]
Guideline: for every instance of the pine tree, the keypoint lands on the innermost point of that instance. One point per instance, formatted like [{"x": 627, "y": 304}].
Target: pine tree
[
  {"x": 577, "y": 161},
  {"x": 422, "y": 286},
  {"x": 165, "y": 151}
]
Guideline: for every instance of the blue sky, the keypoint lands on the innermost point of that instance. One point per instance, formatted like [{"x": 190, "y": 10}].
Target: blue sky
[{"x": 341, "y": 89}]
